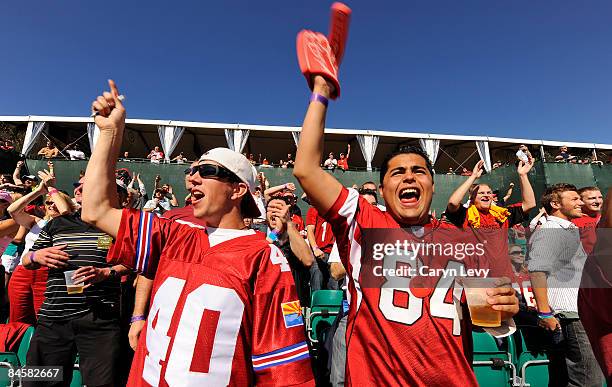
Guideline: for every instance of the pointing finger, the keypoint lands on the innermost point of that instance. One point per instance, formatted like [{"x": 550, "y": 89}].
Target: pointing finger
[{"x": 115, "y": 92}]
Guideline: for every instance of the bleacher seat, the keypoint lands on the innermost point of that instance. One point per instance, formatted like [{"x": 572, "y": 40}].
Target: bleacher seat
[
  {"x": 493, "y": 366},
  {"x": 14, "y": 360},
  {"x": 77, "y": 379},
  {"x": 8, "y": 360},
  {"x": 533, "y": 365},
  {"x": 24, "y": 345},
  {"x": 325, "y": 306}
]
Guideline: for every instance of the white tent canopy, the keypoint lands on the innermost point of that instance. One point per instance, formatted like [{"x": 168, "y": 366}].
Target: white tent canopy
[{"x": 275, "y": 142}]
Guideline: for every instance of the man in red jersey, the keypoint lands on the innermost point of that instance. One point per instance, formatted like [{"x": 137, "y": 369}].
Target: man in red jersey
[
  {"x": 321, "y": 239},
  {"x": 595, "y": 294},
  {"x": 417, "y": 345},
  {"x": 591, "y": 214},
  {"x": 144, "y": 286},
  {"x": 224, "y": 309}
]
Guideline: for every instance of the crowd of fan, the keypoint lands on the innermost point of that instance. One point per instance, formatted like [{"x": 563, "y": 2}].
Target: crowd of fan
[{"x": 34, "y": 264}]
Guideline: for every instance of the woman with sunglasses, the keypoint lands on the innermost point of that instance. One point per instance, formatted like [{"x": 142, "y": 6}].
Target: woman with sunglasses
[{"x": 27, "y": 287}]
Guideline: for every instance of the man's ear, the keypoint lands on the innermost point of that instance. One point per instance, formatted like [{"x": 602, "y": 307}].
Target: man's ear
[
  {"x": 240, "y": 189},
  {"x": 555, "y": 205}
]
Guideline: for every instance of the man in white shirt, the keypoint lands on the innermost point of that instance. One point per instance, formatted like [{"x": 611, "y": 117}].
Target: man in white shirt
[
  {"x": 556, "y": 260},
  {"x": 523, "y": 154},
  {"x": 75, "y": 153},
  {"x": 156, "y": 155},
  {"x": 331, "y": 163}
]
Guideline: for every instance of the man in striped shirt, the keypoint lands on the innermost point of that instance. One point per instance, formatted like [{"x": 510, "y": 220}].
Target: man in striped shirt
[
  {"x": 86, "y": 322},
  {"x": 556, "y": 260}
]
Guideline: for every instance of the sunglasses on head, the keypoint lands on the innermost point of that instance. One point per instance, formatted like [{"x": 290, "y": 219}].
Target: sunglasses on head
[
  {"x": 212, "y": 170},
  {"x": 48, "y": 203}
]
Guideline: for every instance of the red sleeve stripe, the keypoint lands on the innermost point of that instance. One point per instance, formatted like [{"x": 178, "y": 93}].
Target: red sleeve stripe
[
  {"x": 280, "y": 356},
  {"x": 143, "y": 243}
]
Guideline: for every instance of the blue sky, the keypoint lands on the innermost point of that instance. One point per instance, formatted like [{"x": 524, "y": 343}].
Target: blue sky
[{"x": 501, "y": 68}]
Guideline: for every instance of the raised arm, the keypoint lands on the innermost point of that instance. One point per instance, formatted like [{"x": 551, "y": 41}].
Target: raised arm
[
  {"x": 272, "y": 190},
  {"x": 100, "y": 202},
  {"x": 529, "y": 200},
  {"x": 17, "y": 173},
  {"x": 321, "y": 187},
  {"x": 508, "y": 193},
  {"x": 62, "y": 203},
  {"x": 348, "y": 150},
  {"x": 17, "y": 208},
  {"x": 456, "y": 199}
]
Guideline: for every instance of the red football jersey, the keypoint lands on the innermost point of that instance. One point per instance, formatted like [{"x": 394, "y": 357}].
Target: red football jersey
[
  {"x": 588, "y": 231},
  {"x": 399, "y": 336},
  {"x": 322, "y": 230},
  {"x": 184, "y": 215},
  {"x": 220, "y": 315}
]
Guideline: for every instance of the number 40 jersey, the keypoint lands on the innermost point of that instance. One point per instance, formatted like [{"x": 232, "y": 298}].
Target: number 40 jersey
[{"x": 225, "y": 314}]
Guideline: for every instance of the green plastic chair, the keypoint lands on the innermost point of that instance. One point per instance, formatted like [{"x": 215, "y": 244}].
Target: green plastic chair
[
  {"x": 492, "y": 365},
  {"x": 24, "y": 345},
  {"x": 77, "y": 379},
  {"x": 533, "y": 365},
  {"x": 325, "y": 306},
  {"x": 8, "y": 360}
]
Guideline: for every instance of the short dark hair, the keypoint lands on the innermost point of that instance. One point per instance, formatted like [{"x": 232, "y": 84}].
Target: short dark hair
[
  {"x": 406, "y": 149},
  {"x": 587, "y": 189},
  {"x": 369, "y": 182},
  {"x": 553, "y": 194}
]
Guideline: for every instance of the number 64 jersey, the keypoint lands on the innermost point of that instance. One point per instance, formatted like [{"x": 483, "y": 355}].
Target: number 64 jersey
[{"x": 225, "y": 314}]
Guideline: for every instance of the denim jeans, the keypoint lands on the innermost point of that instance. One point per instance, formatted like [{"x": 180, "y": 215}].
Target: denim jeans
[
  {"x": 338, "y": 361},
  {"x": 582, "y": 367},
  {"x": 320, "y": 277}
]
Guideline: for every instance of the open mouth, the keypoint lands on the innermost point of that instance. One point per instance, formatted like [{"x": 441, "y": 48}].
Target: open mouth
[
  {"x": 409, "y": 196},
  {"x": 196, "y": 196}
]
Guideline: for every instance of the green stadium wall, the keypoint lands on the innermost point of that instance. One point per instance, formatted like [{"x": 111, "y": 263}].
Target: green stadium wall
[{"x": 542, "y": 175}]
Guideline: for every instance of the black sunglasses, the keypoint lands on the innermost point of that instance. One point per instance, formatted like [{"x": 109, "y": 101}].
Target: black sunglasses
[{"x": 212, "y": 170}]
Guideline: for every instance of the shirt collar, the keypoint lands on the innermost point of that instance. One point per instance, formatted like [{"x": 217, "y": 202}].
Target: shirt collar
[{"x": 560, "y": 221}]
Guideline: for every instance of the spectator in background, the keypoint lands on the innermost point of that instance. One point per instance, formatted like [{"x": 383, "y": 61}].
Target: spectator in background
[
  {"x": 504, "y": 200},
  {"x": 465, "y": 172},
  {"x": 591, "y": 215},
  {"x": 7, "y": 146},
  {"x": 29, "y": 181},
  {"x": 285, "y": 235},
  {"x": 252, "y": 159},
  {"x": 156, "y": 155},
  {"x": 523, "y": 154},
  {"x": 8, "y": 226},
  {"x": 450, "y": 171},
  {"x": 180, "y": 159},
  {"x": 596, "y": 292},
  {"x": 265, "y": 163},
  {"x": 126, "y": 157},
  {"x": 330, "y": 163},
  {"x": 343, "y": 161},
  {"x": 556, "y": 261},
  {"x": 27, "y": 287},
  {"x": 321, "y": 239},
  {"x": 75, "y": 153},
  {"x": 136, "y": 197},
  {"x": 49, "y": 151},
  {"x": 159, "y": 204},
  {"x": 564, "y": 155},
  {"x": 482, "y": 212},
  {"x": 369, "y": 192},
  {"x": 290, "y": 162}
]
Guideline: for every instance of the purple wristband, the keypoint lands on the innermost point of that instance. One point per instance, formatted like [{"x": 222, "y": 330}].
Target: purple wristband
[
  {"x": 319, "y": 98},
  {"x": 137, "y": 318},
  {"x": 32, "y": 260}
]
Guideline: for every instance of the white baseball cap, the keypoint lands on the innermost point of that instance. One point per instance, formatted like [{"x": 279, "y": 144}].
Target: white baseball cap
[{"x": 242, "y": 168}]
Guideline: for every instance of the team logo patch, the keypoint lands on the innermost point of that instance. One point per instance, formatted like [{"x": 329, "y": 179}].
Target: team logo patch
[{"x": 292, "y": 314}]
